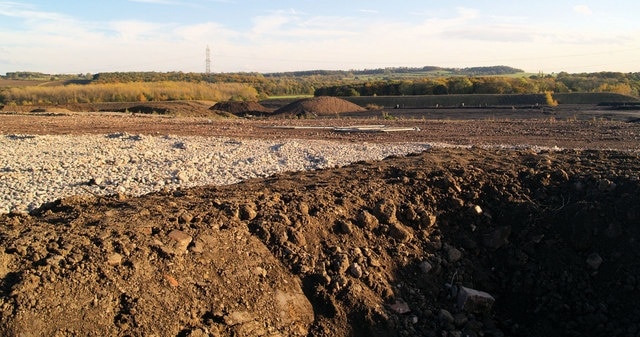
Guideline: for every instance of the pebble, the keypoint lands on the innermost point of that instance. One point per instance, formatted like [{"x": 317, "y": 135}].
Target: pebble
[
  {"x": 594, "y": 261},
  {"x": 355, "y": 270},
  {"x": 453, "y": 254},
  {"x": 51, "y": 167}
]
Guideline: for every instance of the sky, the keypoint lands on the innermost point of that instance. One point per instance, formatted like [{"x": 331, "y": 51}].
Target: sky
[{"x": 73, "y": 37}]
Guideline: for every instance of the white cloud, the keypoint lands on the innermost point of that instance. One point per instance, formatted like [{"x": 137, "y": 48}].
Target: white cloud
[
  {"x": 582, "y": 9},
  {"x": 28, "y": 12}
]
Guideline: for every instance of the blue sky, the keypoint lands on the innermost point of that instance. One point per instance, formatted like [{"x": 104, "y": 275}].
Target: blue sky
[{"x": 67, "y": 36}]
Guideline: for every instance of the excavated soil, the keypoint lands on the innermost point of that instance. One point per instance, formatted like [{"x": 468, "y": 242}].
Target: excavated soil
[
  {"x": 318, "y": 106},
  {"x": 456, "y": 241},
  {"x": 241, "y": 108}
]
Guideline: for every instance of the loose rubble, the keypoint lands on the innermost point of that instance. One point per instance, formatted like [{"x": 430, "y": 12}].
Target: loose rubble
[{"x": 376, "y": 248}]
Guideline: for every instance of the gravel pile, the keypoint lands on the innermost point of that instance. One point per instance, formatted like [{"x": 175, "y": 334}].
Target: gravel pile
[{"x": 39, "y": 169}]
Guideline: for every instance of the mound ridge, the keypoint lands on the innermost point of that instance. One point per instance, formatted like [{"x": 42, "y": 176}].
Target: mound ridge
[
  {"x": 319, "y": 106},
  {"x": 372, "y": 249}
]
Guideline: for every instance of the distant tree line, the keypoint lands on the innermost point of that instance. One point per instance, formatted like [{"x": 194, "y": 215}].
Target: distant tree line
[
  {"x": 621, "y": 83},
  {"x": 373, "y": 82},
  {"x": 127, "y": 92}
]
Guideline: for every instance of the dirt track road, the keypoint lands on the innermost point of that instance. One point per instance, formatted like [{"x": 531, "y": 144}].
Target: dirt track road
[{"x": 549, "y": 132}]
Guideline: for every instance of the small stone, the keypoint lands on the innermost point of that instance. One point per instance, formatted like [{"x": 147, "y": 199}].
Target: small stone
[
  {"x": 355, "y": 270},
  {"x": 237, "y": 317},
  {"x": 303, "y": 208},
  {"x": 400, "y": 307},
  {"x": 182, "y": 176},
  {"x": 341, "y": 263},
  {"x": 367, "y": 220},
  {"x": 445, "y": 316},
  {"x": 185, "y": 217},
  {"x": 477, "y": 209},
  {"x": 425, "y": 267},
  {"x": 181, "y": 239},
  {"x": 247, "y": 212},
  {"x": 259, "y": 271},
  {"x": 594, "y": 261},
  {"x": 114, "y": 259},
  {"x": 374, "y": 262},
  {"x": 172, "y": 280},
  {"x": 345, "y": 226},
  {"x": 474, "y": 301},
  {"x": 428, "y": 220},
  {"x": 453, "y": 254},
  {"x": 400, "y": 232}
]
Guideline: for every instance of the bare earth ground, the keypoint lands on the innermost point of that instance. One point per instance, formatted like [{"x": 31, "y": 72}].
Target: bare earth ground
[{"x": 546, "y": 239}]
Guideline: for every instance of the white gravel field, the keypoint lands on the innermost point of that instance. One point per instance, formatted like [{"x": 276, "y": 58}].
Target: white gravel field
[{"x": 39, "y": 169}]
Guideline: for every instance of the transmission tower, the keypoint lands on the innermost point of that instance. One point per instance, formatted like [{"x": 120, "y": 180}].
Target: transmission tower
[{"x": 208, "y": 61}]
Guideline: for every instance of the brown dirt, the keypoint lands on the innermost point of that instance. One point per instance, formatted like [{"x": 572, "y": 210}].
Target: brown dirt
[
  {"x": 241, "y": 108},
  {"x": 175, "y": 108},
  {"x": 318, "y": 106},
  {"x": 376, "y": 248}
]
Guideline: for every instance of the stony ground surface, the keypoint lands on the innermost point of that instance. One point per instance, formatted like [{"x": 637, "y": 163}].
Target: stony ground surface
[{"x": 455, "y": 241}]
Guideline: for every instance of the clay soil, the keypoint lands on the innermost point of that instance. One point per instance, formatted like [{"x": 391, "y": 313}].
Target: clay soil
[{"x": 373, "y": 249}]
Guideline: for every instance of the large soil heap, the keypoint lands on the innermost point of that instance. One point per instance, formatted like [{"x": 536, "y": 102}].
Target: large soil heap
[
  {"x": 319, "y": 106},
  {"x": 449, "y": 242},
  {"x": 240, "y": 108}
]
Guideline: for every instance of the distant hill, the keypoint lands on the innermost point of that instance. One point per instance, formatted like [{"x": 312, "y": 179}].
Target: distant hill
[{"x": 473, "y": 71}]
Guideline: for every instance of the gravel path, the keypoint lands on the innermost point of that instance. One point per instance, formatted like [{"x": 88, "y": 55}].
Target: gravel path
[{"x": 39, "y": 169}]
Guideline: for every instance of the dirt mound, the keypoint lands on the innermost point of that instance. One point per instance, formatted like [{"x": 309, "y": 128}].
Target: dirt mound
[
  {"x": 54, "y": 109},
  {"x": 173, "y": 108},
  {"x": 318, "y": 106},
  {"x": 240, "y": 108},
  {"x": 452, "y": 241}
]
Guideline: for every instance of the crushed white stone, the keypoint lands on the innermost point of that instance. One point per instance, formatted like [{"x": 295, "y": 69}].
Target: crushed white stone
[{"x": 35, "y": 169}]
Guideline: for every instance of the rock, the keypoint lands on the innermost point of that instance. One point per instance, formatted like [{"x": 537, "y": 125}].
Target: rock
[
  {"x": 96, "y": 181},
  {"x": 400, "y": 307},
  {"x": 497, "y": 238},
  {"x": 355, "y": 270},
  {"x": 425, "y": 267},
  {"x": 445, "y": 316},
  {"x": 453, "y": 254},
  {"x": 238, "y": 317},
  {"x": 367, "y": 220},
  {"x": 303, "y": 207},
  {"x": 185, "y": 217},
  {"x": 476, "y": 209},
  {"x": 474, "y": 301},
  {"x": 400, "y": 232},
  {"x": 247, "y": 212},
  {"x": 294, "y": 307},
  {"x": 428, "y": 220},
  {"x": 259, "y": 271},
  {"x": 594, "y": 261},
  {"x": 114, "y": 259},
  {"x": 182, "y": 176},
  {"x": 181, "y": 240},
  {"x": 341, "y": 263},
  {"x": 345, "y": 226}
]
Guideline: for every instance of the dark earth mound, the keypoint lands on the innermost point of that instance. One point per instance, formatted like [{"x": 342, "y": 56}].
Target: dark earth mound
[
  {"x": 241, "y": 108},
  {"x": 318, "y": 106},
  {"x": 451, "y": 242}
]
